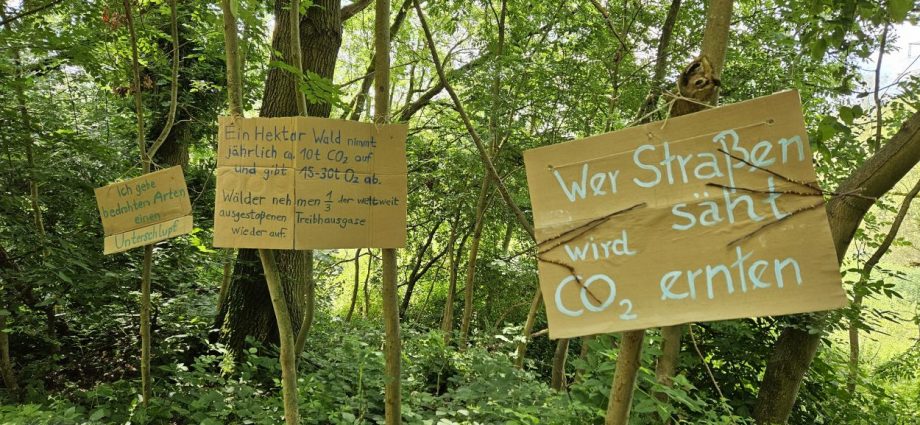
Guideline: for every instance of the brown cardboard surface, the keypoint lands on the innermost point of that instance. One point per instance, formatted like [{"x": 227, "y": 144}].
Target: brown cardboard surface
[
  {"x": 148, "y": 235},
  {"x": 142, "y": 201},
  {"x": 332, "y": 169},
  {"x": 762, "y": 248},
  {"x": 254, "y": 208}
]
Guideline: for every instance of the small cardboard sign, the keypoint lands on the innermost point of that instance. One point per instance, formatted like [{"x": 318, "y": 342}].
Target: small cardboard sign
[
  {"x": 710, "y": 216},
  {"x": 144, "y": 210},
  {"x": 310, "y": 183}
]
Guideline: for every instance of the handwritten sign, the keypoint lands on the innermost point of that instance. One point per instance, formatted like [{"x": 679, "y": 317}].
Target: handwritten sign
[
  {"x": 310, "y": 183},
  {"x": 144, "y": 210},
  {"x": 709, "y": 216}
]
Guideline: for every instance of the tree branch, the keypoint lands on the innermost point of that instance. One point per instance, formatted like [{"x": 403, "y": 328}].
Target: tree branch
[
  {"x": 490, "y": 167},
  {"x": 30, "y": 12},
  {"x": 350, "y": 10}
]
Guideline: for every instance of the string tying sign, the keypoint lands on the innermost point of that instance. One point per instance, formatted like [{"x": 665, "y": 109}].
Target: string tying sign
[{"x": 710, "y": 216}]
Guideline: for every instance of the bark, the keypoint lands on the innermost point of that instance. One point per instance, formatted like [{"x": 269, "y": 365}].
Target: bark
[
  {"x": 354, "y": 291},
  {"x": 309, "y": 303},
  {"x": 624, "y": 379},
  {"x": 286, "y": 335},
  {"x": 248, "y": 310},
  {"x": 661, "y": 61},
  {"x": 6, "y": 365},
  {"x": 419, "y": 270},
  {"x": 875, "y": 93},
  {"x": 528, "y": 328},
  {"x": 864, "y": 277},
  {"x": 367, "y": 279},
  {"x": 392, "y": 343},
  {"x": 447, "y": 319},
  {"x": 470, "y": 281},
  {"x": 361, "y": 98},
  {"x": 795, "y": 348},
  {"x": 558, "y": 374}
]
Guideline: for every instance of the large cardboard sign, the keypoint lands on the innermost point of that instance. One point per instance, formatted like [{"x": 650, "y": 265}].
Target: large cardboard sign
[
  {"x": 709, "y": 216},
  {"x": 144, "y": 210},
  {"x": 310, "y": 183}
]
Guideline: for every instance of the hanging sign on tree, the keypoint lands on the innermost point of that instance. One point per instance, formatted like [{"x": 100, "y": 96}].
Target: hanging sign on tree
[
  {"x": 310, "y": 183},
  {"x": 144, "y": 210},
  {"x": 710, "y": 216}
]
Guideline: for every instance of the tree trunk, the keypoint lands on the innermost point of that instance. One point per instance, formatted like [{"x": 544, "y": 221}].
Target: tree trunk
[
  {"x": 470, "y": 279},
  {"x": 354, "y": 291},
  {"x": 795, "y": 348},
  {"x": 248, "y": 310},
  {"x": 558, "y": 374},
  {"x": 447, "y": 319},
  {"x": 624, "y": 379},
  {"x": 367, "y": 279},
  {"x": 585, "y": 349},
  {"x": 6, "y": 365},
  {"x": 285, "y": 334},
  {"x": 521, "y": 351},
  {"x": 392, "y": 343}
]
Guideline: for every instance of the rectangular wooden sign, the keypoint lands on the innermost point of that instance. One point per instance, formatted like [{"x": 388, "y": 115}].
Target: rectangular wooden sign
[
  {"x": 144, "y": 210},
  {"x": 710, "y": 216},
  {"x": 310, "y": 183}
]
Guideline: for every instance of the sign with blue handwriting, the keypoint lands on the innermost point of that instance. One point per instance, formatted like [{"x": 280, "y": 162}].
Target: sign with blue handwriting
[
  {"x": 710, "y": 216},
  {"x": 310, "y": 183},
  {"x": 144, "y": 210}
]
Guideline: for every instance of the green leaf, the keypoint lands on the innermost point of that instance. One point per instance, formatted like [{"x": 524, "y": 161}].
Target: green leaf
[
  {"x": 235, "y": 8},
  {"x": 898, "y": 9},
  {"x": 64, "y": 277},
  {"x": 97, "y": 415}
]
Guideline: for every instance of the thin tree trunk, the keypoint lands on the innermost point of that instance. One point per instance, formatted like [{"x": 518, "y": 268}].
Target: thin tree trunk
[
  {"x": 470, "y": 281},
  {"x": 624, "y": 379},
  {"x": 225, "y": 280},
  {"x": 558, "y": 374},
  {"x": 367, "y": 279},
  {"x": 521, "y": 351},
  {"x": 447, "y": 319},
  {"x": 285, "y": 334},
  {"x": 26, "y": 121},
  {"x": 392, "y": 344},
  {"x": 585, "y": 349},
  {"x": 875, "y": 93},
  {"x": 354, "y": 292},
  {"x": 6, "y": 365}
]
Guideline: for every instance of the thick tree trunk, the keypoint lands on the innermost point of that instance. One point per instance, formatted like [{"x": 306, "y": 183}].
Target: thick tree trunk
[
  {"x": 248, "y": 310},
  {"x": 795, "y": 348}
]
